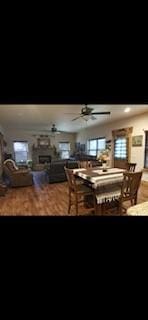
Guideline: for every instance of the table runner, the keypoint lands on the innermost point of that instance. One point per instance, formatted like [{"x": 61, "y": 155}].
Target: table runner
[{"x": 107, "y": 185}]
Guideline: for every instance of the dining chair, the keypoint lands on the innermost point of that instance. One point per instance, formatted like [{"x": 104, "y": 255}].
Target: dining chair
[
  {"x": 128, "y": 192},
  {"x": 131, "y": 167},
  {"x": 78, "y": 193},
  {"x": 85, "y": 164}
]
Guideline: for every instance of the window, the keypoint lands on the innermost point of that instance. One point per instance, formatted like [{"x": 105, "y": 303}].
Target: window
[
  {"x": 120, "y": 150},
  {"x": 64, "y": 148},
  {"x": 20, "y": 151},
  {"x": 95, "y": 145},
  {"x": 146, "y": 150}
]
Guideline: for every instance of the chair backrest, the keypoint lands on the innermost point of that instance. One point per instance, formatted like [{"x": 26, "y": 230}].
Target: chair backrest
[
  {"x": 130, "y": 185},
  {"x": 85, "y": 164},
  {"x": 131, "y": 167},
  {"x": 71, "y": 179}
]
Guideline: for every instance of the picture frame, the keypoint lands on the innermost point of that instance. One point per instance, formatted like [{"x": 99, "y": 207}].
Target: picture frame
[
  {"x": 137, "y": 141},
  {"x": 43, "y": 142}
]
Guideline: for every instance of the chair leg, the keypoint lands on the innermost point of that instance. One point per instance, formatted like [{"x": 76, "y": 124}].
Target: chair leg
[
  {"x": 102, "y": 208},
  {"x": 120, "y": 208},
  {"x": 135, "y": 200},
  {"x": 69, "y": 205},
  {"x": 95, "y": 203},
  {"x": 76, "y": 203}
]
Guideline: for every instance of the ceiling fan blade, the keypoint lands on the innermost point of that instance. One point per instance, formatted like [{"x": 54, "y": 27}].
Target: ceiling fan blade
[
  {"x": 49, "y": 131},
  {"x": 72, "y": 113},
  {"x": 77, "y": 118},
  {"x": 95, "y": 113}
]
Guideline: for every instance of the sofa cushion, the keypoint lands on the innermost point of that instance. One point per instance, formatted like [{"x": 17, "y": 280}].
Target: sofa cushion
[
  {"x": 72, "y": 164},
  {"x": 56, "y": 171}
]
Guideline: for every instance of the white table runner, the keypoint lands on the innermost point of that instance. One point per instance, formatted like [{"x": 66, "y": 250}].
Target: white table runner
[
  {"x": 109, "y": 171},
  {"x": 102, "y": 179},
  {"x": 107, "y": 184}
]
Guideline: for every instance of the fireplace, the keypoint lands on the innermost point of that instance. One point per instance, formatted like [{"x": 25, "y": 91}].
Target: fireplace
[{"x": 44, "y": 159}]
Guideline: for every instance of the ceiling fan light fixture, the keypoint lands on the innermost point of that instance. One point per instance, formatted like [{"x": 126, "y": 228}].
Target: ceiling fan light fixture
[
  {"x": 86, "y": 117},
  {"x": 54, "y": 130},
  {"x": 127, "y": 109}
]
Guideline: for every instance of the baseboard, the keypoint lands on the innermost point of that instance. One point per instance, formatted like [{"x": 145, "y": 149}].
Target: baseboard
[{"x": 145, "y": 170}]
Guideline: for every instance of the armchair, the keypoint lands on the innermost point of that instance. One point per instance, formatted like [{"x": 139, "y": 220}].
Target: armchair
[{"x": 17, "y": 177}]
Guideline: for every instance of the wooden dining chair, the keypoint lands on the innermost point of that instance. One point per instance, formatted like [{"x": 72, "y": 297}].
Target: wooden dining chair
[
  {"x": 131, "y": 167},
  {"x": 129, "y": 191},
  {"x": 78, "y": 192},
  {"x": 85, "y": 164}
]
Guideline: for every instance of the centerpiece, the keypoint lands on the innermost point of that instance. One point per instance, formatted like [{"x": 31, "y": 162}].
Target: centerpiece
[{"x": 103, "y": 156}]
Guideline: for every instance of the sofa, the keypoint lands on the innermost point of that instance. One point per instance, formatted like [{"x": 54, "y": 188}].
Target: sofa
[
  {"x": 17, "y": 177},
  {"x": 56, "y": 172}
]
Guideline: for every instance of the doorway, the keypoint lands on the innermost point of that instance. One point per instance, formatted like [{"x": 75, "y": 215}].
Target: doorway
[{"x": 122, "y": 147}]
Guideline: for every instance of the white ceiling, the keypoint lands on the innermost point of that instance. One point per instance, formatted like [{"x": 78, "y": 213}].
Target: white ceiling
[{"x": 41, "y": 117}]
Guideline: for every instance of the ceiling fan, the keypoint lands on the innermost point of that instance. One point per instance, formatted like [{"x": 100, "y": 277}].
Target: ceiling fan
[
  {"x": 86, "y": 114},
  {"x": 54, "y": 129},
  {"x": 51, "y": 132}
]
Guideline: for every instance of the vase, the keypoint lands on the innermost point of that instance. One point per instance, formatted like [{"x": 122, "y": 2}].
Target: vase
[{"x": 104, "y": 166}]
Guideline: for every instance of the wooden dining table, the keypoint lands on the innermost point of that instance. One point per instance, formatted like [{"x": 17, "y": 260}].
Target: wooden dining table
[
  {"x": 105, "y": 183},
  {"x": 97, "y": 177}
]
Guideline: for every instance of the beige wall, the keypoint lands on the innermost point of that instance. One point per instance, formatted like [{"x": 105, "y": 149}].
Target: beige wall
[
  {"x": 138, "y": 123},
  {"x": 12, "y": 135}
]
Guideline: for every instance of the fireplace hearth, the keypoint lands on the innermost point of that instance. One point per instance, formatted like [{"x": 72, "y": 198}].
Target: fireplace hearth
[{"x": 44, "y": 159}]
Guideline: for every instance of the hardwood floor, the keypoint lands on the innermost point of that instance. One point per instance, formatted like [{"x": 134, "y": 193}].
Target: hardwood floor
[{"x": 45, "y": 199}]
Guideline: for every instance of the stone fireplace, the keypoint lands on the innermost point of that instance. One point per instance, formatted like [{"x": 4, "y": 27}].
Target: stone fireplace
[
  {"x": 44, "y": 159},
  {"x": 42, "y": 155}
]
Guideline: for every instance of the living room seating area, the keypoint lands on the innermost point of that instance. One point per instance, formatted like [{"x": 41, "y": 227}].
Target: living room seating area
[{"x": 56, "y": 172}]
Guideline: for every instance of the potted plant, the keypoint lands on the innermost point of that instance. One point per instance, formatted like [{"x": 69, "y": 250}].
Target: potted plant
[{"x": 29, "y": 163}]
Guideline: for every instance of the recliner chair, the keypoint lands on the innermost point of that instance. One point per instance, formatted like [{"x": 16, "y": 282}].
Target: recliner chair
[{"x": 17, "y": 177}]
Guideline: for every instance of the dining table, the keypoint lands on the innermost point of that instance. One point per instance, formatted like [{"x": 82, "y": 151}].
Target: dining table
[{"x": 105, "y": 183}]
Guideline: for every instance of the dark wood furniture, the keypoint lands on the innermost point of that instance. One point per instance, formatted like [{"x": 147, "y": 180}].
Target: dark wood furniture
[
  {"x": 85, "y": 164},
  {"x": 129, "y": 191},
  {"x": 78, "y": 192},
  {"x": 108, "y": 187},
  {"x": 131, "y": 167}
]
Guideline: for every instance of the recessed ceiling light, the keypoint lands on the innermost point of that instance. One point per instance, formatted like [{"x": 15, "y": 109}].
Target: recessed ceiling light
[{"x": 127, "y": 109}]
